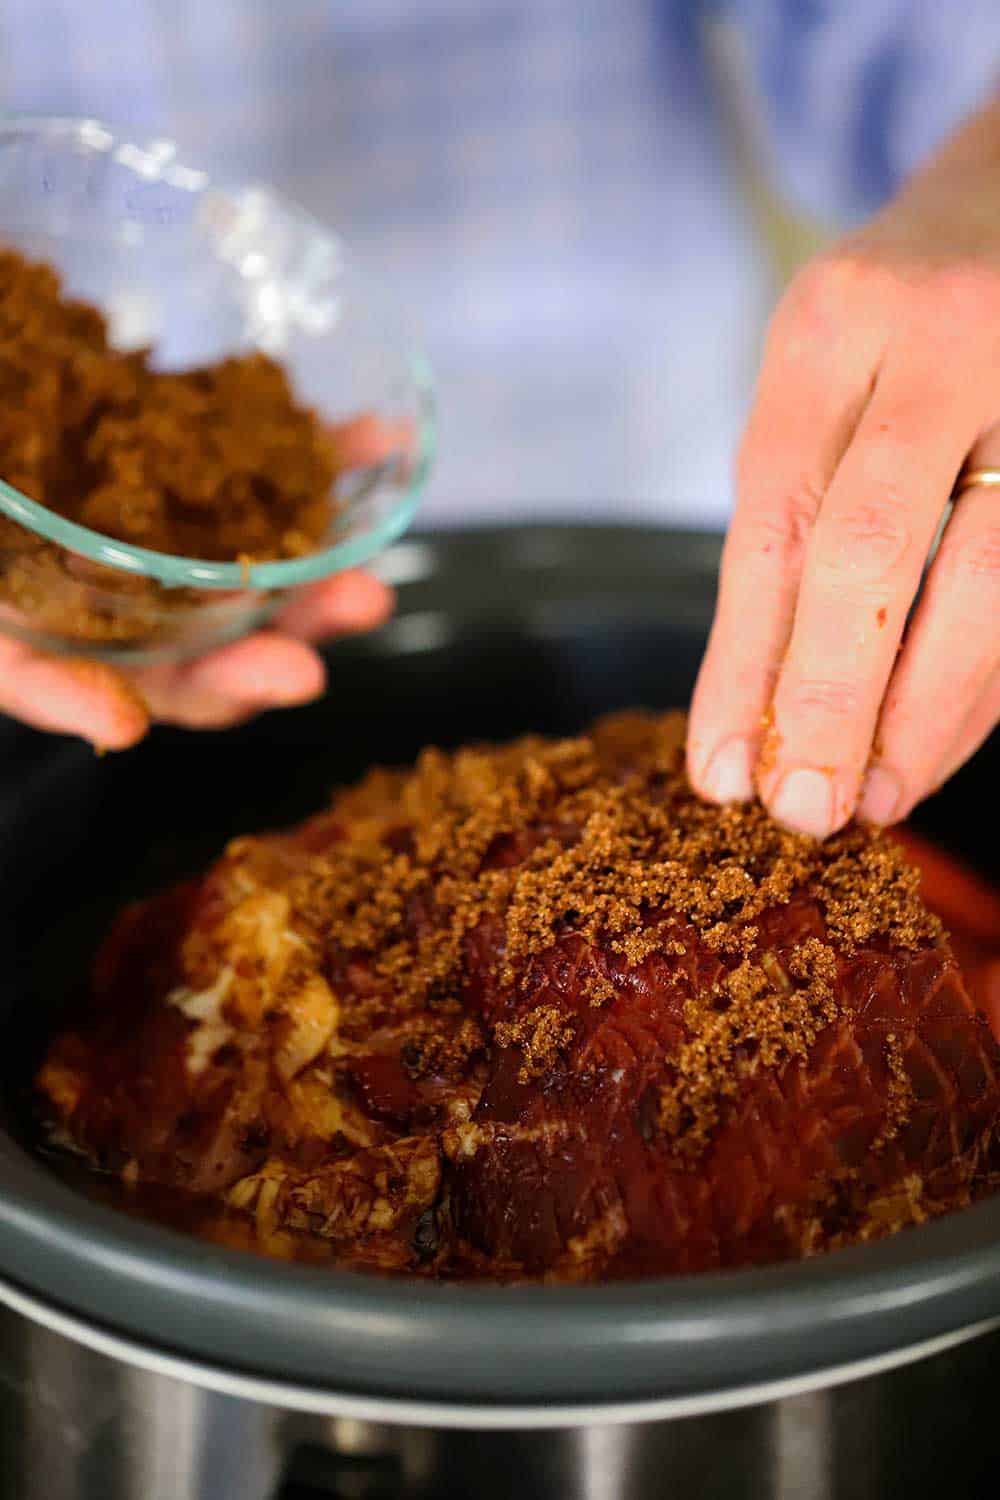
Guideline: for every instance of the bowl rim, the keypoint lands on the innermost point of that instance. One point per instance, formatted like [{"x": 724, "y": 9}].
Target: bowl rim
[
  {"x": 169, "y": 569},
  {"x": 472, "y": 1344}
]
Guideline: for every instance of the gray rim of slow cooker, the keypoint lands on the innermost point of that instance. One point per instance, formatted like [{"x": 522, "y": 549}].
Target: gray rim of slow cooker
[{"x": 359, "y": 1334}]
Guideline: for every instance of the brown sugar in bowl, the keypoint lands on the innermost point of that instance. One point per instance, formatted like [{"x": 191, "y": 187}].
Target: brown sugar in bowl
[{"x": 206, "y": 403}]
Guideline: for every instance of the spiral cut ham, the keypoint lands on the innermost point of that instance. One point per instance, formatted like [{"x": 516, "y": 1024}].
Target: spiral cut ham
[{"x": 537, "y": 1012}]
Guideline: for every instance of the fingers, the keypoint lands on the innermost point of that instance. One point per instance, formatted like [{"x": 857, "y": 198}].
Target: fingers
[
  {"x": 862, "y": 570},
  {"x": 86, "y": 698},
  {"x": 813, "y": 388},
  {"x": 874, "y": 388},
  {"x": 368, "y": 439},
  {"x": 227, "y": 686},
  {"x": 944, "y": 697},
  {"x": 268, "y": 670},
  {"x": 342, "y": 605},
  {"x": 272, "y": 669},
  {"x": 976, "y": 730}
]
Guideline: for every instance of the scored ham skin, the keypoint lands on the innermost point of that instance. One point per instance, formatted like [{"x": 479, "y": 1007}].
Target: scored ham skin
[
  {"x": 546, "y": 1122},
  {"x": 552, "y": 1158}
]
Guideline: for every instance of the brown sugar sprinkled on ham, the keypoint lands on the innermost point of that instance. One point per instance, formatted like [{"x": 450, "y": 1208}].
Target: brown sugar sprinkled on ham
[{"x": 535, "y": 1010}]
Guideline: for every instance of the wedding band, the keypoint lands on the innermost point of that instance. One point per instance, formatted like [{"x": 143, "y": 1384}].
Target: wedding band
[{"x": 970, "y": 478}]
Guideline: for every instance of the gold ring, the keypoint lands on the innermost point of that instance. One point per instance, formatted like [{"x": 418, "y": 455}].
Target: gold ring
[{"x": 969, "y": 479}]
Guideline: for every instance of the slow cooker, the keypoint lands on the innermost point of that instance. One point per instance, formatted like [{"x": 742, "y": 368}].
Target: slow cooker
[{"x": 136, "y": 1362}]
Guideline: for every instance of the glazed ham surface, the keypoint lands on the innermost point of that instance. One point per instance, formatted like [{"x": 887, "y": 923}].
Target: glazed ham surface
[{"x": 536, "y": 1011}]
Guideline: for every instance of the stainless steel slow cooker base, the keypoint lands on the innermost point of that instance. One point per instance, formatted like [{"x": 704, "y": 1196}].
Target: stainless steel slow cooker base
[
  {"x": 77, "y": 1424},
  {"x": 468, "y": 1416}
]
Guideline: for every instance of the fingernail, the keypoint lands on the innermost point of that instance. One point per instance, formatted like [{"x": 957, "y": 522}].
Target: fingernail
[
  {"x": 728, "y": 776},
  {"x": 292, "y": 697},
  {"x": 804, "y": 802},
  {"x": 880, "y": 797}
]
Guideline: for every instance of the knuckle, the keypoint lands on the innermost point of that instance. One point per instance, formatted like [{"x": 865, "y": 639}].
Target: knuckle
[
  {"x": 826, "y": 698},
  {"x": 966, "y": 288},
  {"x": 973, "y": 560},
  {"x": 779, "y": 530},
  {"x": 826, "y": 285},
  {"x": 870, "y": 538}
]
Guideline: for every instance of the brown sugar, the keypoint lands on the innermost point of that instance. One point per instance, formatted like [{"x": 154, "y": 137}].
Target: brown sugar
[
  {"x": 536, "y": 1009},
  {"x": 601, "y": 857},
  {"x": 541, "y": 1035},
  {"x": 218, "y": 463}
]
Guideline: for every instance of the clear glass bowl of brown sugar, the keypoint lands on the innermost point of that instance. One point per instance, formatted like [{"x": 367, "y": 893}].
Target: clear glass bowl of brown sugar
[{"x": 205, "y": 402}]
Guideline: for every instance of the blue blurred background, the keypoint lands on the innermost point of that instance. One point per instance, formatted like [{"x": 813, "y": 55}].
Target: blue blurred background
[{"x": 590, "y": 205}]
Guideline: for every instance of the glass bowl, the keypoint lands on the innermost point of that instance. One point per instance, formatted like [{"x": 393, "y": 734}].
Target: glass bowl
[{"x": 200, "y": 272}]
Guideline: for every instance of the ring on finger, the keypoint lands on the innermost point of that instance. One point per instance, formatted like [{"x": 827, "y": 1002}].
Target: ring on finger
[{"x": 970, "y": 479}]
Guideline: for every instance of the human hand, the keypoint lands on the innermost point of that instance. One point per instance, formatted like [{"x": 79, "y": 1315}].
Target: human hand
[
  {"x": 880, "y": 378},
  {"x": 276, "y": 667}
]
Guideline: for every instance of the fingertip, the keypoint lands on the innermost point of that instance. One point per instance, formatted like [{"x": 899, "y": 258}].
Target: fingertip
[
  {"x": 266, "y": 670},
  {"x": 369, "y": 439},
  {"x": 697, "y": 747},
  {"x": 360, "y": 441},
  {"x": 726, "y": 774},
  {"x": 881, "y": 801},
  {"x": 119, "y": 714},
  {"x": 808, "y": 800},
  {"x": 356, "y": 599},
  {"x": 351, "y": 602},
  {"x": 87, "y": 698},
  {"x": 277, "y": 671}
]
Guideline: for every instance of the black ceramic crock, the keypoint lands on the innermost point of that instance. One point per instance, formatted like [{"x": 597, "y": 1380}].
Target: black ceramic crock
[{"x": 497, "y": 632}]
